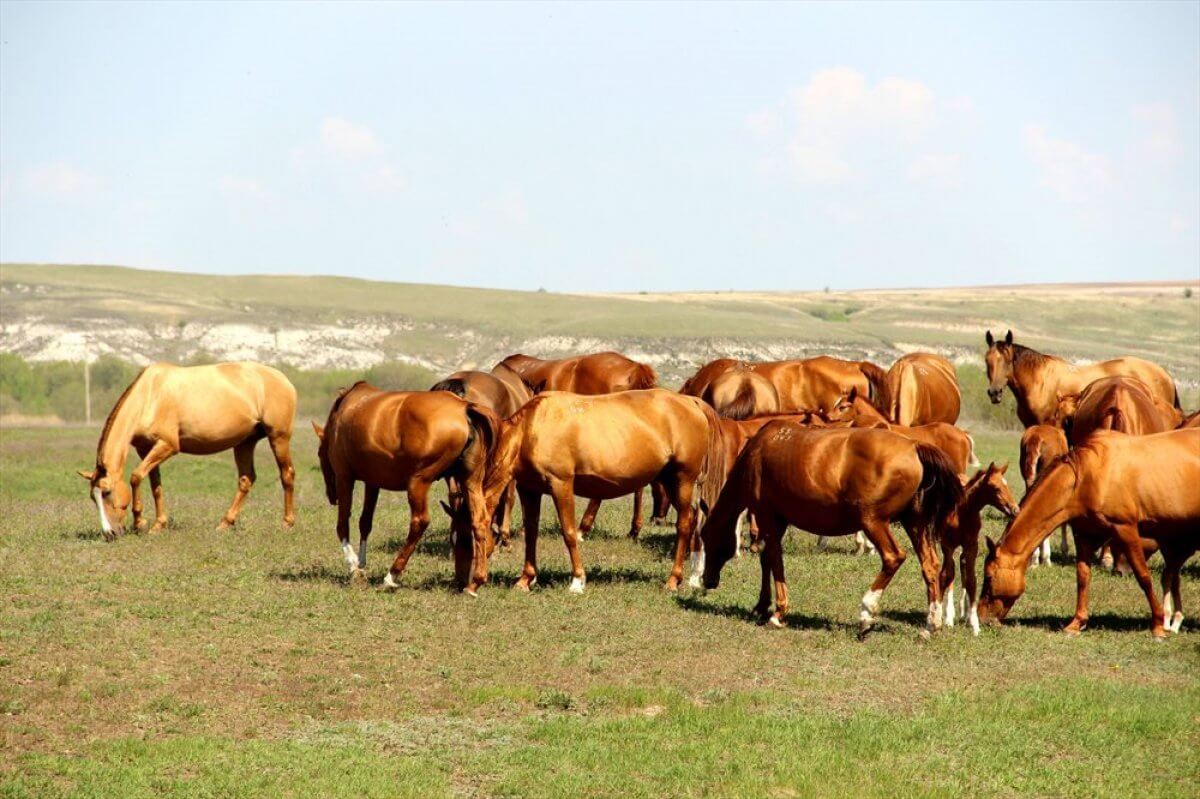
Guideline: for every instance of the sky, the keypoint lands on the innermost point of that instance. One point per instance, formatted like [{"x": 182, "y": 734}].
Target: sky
[{"x": 613, "y": 147}]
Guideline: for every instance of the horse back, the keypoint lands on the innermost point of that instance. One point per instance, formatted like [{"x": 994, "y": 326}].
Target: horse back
[{"x": 1147, "y": 479}]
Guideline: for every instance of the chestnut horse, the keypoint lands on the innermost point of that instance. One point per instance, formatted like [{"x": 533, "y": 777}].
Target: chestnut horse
[
  {"x": 741, "y": 393},
  {"x": 1112, "y": 486},
  {"x": 603, "y": 447},
  {"x": 1041, "y": 445},
  {"x": 196, "y": 410},
  {"x": 958, "y": 446},
  {"x": 810, "y": 384},
  {"x": 835, "y": 482},
  {"x": 503, "y": 392},
  {"x": 1114, "y": 403},
  {"x": 987, "y": 487},
  {"x": 1191, "y": 420},
  {"x": 921, "y": 388},
  {"x": 598, "y": 373},
  {"x": 1036, "y": 380},
  {"x": 407, "y": 441}
]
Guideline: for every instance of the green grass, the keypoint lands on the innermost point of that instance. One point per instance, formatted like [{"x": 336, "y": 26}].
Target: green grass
[{"x": 198, "y": 663}]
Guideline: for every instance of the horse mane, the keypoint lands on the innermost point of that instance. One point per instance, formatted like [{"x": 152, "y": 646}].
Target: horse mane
[
  {"x": 454, "y": 385},
  {"x": 340, "y": 398},
  {"x": 112, "y": 417},
  {"x": 1026, "y": 357},
  {"x": 879, "y": 395}
]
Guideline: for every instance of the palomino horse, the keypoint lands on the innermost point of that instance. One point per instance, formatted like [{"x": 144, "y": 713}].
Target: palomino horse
[
  {"x": 503, "y": 392},
  {"x": 1037, "y": 380},
  {"x": 1114, "y": 403},
  {"x": 986, "y": 487},
  {"x": 197, "y": 410},
  {"x": 810, "y": 384},
  {"x": 921, "y": 388},
  {"x": 603, "y": 447},
  {"x": 598, "y": 373},
  {"x": 741, "y": 393},
  {"x": 407, "y": 441},
  {"x": 1041, "y": 445},
  {"x": 856, "y": 410},
  {"x": 1112, "y": 486},
  {"x": 835, "y": 482}
]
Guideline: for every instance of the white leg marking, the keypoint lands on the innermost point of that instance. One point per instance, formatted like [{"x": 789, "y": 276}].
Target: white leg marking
[
  {"x": 104, "y": 525},
  {"x": 934, "y": 620},
  {"x": 737, "y": 535},
  {"x": 962, "y": 605},
  {"x": 697, "y": 569},
  {"x": 389, "y": 581},
  {"x": 362, "y": 553},
  {"x": 348, "y": 554},
  {"x": 1177, "y": 621},
  {"x": 949, "y": 607},
  {"x": 869, "y": 606},
  {"x": 974, "y": 620},
  {"x": 577, "y": 585}
]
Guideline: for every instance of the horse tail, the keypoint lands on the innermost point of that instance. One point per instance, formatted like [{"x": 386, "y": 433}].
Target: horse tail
[
  {"x": 721, "y": 515},
  {"x": 973, "y": 460},
  {"x": 327, "y": 470},
  {"x": 1178, "y": 406},
  {"x": 1114, "y": 419},
  {"x": 454, "y": 385},
  {"x": 712, "y": 470},
  {"x": 940, "y": 491},
  {"x": 485, "y": 431},
  {"x": 877, "y": 380},
  {"x": 644, "y": 377},
  {"x": 743, "y": 405}
]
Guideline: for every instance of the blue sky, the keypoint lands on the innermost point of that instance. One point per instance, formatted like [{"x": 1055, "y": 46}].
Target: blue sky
[{"x": 607, "y": 147}]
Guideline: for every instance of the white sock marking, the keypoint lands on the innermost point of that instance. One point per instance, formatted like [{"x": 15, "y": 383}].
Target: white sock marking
[
  {"x": 348, "y": 554},
  {"x": 974, "y": 618},
  {"x": 577, "y": 585},
  {"x": 949, "y": 607},
  {"x": 390, "y": 582},
  {"x": 869, "y": 606},
  {"x": 737, "y": 535}
]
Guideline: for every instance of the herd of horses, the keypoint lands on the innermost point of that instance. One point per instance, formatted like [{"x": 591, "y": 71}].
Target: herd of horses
[{"x": 830, "y": 446}]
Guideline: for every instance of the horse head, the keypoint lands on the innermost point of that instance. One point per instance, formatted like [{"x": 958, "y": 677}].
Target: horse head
[
  {"x": 1003, "y": 584},
  {"x": 999, "y": 360},
  {"x": 112, "y": 496}
]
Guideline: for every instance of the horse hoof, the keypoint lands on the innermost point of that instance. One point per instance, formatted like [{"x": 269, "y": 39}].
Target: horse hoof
[
  {"x": 671, "y": 585},
  {"x": 576, "y": 586},
  {"x": 389, "y": 582},
  {"x": 695, "y": 582},
  {"x": 776, "y": 622},
  {"x": 157, "y": 527},
  {"x": 1160, "y": 635},
  {"x": 864, "y": 630},
  {"x": 224, "y": 524},
  {"x": 471, "y": 592},
  {"x": 1072, "y": 632},
  {"x": 358, "y": 578},
  {"x": 288, "y": 524},
  {"x": 925, "y": 634}
]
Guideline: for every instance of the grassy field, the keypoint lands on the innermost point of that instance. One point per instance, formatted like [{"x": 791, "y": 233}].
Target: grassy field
[{"x": 204, "y": 664}]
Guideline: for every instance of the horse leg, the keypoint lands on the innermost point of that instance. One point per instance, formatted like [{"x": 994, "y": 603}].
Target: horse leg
[
  {"x": 681, "y": 490},
  {"x": 281, "y": 448},
  {"x": 418, "y": 521},
  {"x": 243, "y": 457},
  {"x": 970, "y": 553},
  {"x": 1172, "y": 600},
  {"x": 922, "y": 539},
  {"x": 160, "y": 503},
  {"x": 366, "y": 519},
  {"x": 891, "y": 557},
  {"x": 152, "y": 459},
  {"x": 345, "y": 501},
  {"x": 773, "y": 530},
  {"x": 531, "y": 512},
  {"x": 563, "y": 492},
  {"x": 1126, "y": 535},
  {"x": 763, "y": 609},
  {"x": 1085, "y": 549},
  {"x": 1106, "y": 557},
  {"x": 635, "y": 527},
  {"x": 946, "y": 583},
  {"x": 658, "y": 515},
  {"x": 589, "y": 517},
  {"x": 135, "y": 493},
  {"x": 504, "y": 515}
]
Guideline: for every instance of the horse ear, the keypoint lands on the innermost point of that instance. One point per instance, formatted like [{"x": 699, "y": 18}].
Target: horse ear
[
  {"x": 704, "y": 506},
  {"x": 991, "y": 341},
  {"x": 538, "y": 387},
  {"x": 448, "y": 509},
  {"x": 1004, "y": 467},
  {"x": 991, "y": 545},
  {"x": 89, "y": 476},
  {"x": 853, "y": 395},
  {"x": 320, "y": 431},
  {"x": 1008, "y": 338},
  {"x": 991, "y": 466}
]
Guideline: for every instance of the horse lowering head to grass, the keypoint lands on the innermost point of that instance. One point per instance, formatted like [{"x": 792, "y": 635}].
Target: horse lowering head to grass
[
  {"x": 603, "y": 447},
  {"x": 1113, "y": 486},
  {"x": 196, "y": 410},
  {"x": 1037, "y": 380},
  {"x": 1125, "y": 404},
  {"x": 835, "y": 481},
  {"x": 407, "y": 441}
]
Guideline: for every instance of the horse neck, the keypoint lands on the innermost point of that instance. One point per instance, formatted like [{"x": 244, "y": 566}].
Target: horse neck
[
  {"x": 865, "y": 408},
  {"x": 1049, "y": 505},
  {"x": 1034, "y": 385},
  {"x": 119, "y": 430},
  {"x": 503, "y": 461}
]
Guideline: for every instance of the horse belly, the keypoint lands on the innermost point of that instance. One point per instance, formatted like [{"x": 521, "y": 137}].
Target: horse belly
[{"x": 596, "y": 487}]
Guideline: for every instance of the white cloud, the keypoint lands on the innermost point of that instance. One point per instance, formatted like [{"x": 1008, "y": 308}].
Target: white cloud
[
  {"x": 59, "y": 181},
  {"x": 1180, "y": 223},
  {"x": 942, "y": 169},
  {"x": 245, "y": 188},
  {"x": 382, "y": 179},
  {"x": 1072, "y": 172},
  {"x": 343, "y": 137},
  {"x": 838, "y": 123},
  {"x": 1162, "y": 142}
]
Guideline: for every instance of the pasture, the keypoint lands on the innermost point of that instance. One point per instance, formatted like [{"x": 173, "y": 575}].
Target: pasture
[{"x": 244, "y": 663}]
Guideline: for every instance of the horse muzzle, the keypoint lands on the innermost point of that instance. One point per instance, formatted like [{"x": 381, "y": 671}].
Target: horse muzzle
[{"x": 995, "y": 395}]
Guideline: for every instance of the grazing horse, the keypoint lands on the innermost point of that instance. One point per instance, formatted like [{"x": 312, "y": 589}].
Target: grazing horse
[
  {"x": 598, "y": 373},
  {"x": 810, "y": 384},
  {"x": 503, "y": 392},
  {"x": 986, "y": 487},
  {"x": 835, "y": 482},
  {"x": 1037, "y": 380},
  {"x": 603, "y": 447},
  {"x": 741, "y": 393},
  {"x": 958, "y": 446},
  {"x": 920, "y": 388},
  {"x": 197, "y": 410},
  {"x": 1041, "y": 445},
  {"x": 1112, "y": 486},
  {"x": 407, "y": 441},
  {"x": 1114, "y": 403}
]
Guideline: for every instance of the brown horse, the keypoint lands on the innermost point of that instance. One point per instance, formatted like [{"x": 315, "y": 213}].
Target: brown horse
[
  {"x": 503, "y": 392},
  {"x": 810, "y": 384},
  {"x": 835, "y": 482},
  {"x": 407, "y": 441},
  {"x": 1112, "y": 486},
  {"x": 1041, "y": 445},
  {"x": 598, "y": 373},
  {"x": 1114, "y": 403},
  {"x": 986, "y": 487},
  {"x": 741, "y": 393},
  {"x": 1036, "y": 380},
  {"x": 1191, "y": 420},
  {"x": 921, "y": 388},
  {"x": 856, "y": 410},
  {"x": 197, "y": 410},
  {"x": 603, "y": 447}
]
